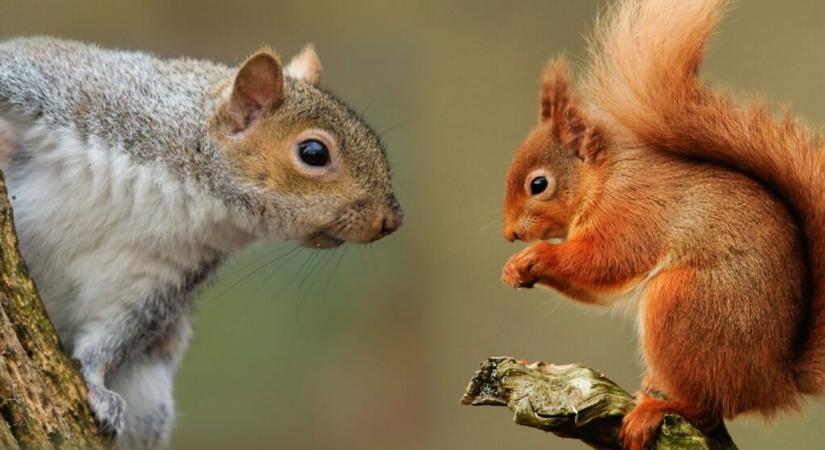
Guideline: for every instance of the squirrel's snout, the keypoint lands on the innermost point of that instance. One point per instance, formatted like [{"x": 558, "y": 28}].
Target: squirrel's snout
[
  {"x": 392, "y": 222},
  {"x": 392, "y": 218},
  {"x": 511, "y": 234}
]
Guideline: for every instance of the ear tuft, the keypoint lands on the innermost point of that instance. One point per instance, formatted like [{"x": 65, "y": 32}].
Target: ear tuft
[
  {"x": 306, "y": 66},
  {"x": 578, "y": 134},
  {"x": 593, "y": 141},
  {"x": 555, "y": 89},
  {"x": 258, "y": 88},
  {"x": 569, "y": 124}
]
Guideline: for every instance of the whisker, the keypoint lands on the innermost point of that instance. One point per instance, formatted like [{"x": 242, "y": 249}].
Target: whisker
[
  {"x": 272, "y": 272},
  {"x": 392, "y": 128},
  {"x": 300, "y": 299},
  {"x": 250, "y": 274},
  {"x": 364, "y": 111},
  {"x": 488, "y": 228},
  {"x": 497, "y": 214},
  {"x": 272, "y": 269},
  {"x": 299, "y": 274},
  {"x": 306, "y": 283},
  {"x": 335, "y": 268},
  {"x": 328, "y": 258}
]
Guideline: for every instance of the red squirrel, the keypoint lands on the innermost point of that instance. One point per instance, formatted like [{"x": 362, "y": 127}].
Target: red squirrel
[{"x": 707, "y": 212}]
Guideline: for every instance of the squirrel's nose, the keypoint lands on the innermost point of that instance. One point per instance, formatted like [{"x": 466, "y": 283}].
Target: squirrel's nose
[
  {"x": 392, "y": 219},
  {"x": 390, "y": 224},
  {"x": 510, "y": 234}
]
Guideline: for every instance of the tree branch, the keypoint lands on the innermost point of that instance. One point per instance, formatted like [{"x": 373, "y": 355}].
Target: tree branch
[
  {"x": 574, "y": 401},
  {"x": 42, "y": 397}
]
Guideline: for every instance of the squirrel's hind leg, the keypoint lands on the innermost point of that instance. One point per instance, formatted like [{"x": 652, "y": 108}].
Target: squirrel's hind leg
[
  {"x": 639, "y": 428},
  {"x": 714, "y": 349},
  {"x": 146, "y": 388},
  {"x": 145, "y": 383}
]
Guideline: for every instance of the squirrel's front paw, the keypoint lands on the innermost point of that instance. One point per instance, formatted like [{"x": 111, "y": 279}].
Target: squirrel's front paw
[
  {"x": 518, "y": 272},
  {"x": 108, "y": 408}
]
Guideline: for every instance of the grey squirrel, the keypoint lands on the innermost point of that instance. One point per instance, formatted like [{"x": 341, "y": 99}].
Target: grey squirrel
[{"x": 133, "y": 178}]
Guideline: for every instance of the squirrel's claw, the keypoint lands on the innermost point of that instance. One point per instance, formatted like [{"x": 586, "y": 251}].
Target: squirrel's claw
[
  {"x": 108, "y": 408},
  {"x": 518, "y": 273},
  {"x": 641, "y": 425}
]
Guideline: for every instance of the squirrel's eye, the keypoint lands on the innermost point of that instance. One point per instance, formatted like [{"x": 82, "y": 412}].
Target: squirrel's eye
[
  {"x": 313, "y": 152},
  {"x": 538, "y": 185}
]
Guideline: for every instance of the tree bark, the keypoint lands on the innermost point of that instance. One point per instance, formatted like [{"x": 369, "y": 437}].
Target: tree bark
[
  {"x": 573, "y": 401},
  {"x": 42, "y": 396}
]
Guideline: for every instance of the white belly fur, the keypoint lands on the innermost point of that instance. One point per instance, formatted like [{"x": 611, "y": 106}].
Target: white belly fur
[{"x": 93, "y": 224}]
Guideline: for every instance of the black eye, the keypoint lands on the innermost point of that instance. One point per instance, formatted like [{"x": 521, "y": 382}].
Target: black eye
[
  {"x": 538, "y": 185},
  {"x": 313, "y": 152}
]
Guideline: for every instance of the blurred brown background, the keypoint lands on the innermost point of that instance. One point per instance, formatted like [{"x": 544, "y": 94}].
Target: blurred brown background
[{"x": 370, "y": 348}]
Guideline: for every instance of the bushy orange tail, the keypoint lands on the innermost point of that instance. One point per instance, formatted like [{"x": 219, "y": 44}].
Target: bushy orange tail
[{"x": 646, "y": 56}]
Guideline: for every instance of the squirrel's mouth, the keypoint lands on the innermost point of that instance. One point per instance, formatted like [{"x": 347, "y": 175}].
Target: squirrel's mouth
[
  {"x": 554, "y": 235},
  {"x": 322, "y": 239}
]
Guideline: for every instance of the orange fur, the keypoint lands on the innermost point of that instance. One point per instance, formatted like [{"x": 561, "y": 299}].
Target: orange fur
[{"x": 710, "y": 214}]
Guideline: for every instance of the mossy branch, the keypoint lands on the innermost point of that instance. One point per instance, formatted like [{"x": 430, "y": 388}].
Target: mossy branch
[
  {"x": 42, "y": 397},
  {"x": 576, "y": 402}
]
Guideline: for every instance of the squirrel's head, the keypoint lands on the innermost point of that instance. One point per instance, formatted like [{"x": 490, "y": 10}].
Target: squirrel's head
[
  {"x": 315, "y": 172},
  {"x": 552, "y": 169}
]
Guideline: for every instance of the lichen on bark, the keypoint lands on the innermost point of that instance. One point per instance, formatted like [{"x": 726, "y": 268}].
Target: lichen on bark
[{"x": 573, "y": 401}]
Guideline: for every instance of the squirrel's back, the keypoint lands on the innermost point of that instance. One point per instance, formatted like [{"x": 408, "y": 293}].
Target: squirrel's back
[
  {"x": 646, "y": 57},
  {"x": 133, "y": 98}
]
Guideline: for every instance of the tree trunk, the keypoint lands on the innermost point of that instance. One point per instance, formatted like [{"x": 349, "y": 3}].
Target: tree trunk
[
  {"x": 573, "y": 401},
  {"x": 42, "y": 396}
]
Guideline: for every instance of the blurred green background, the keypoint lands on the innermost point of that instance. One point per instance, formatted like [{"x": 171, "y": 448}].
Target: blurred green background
[{"x": 371, "y": 347}]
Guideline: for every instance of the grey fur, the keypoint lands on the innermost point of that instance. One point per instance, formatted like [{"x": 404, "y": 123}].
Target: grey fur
[
  {"x": 139, "y": 333},
  {"x": 159, "y": 110},
  {"x": 148, "y": 325},
  {"x": 156, "y": 109},
  {"x": 162, "y": 112}
]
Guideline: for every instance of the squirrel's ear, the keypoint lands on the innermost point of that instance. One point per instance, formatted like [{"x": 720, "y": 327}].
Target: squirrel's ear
[
  {"x": 592, "y": 141},
  {"x": 258, "y": 88},
  {"x": 305, "y": 66},
  {"x": 555, "y": 89},
  {"x": 568, "y": 122},
  {"x": 576, "y": 132}
]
